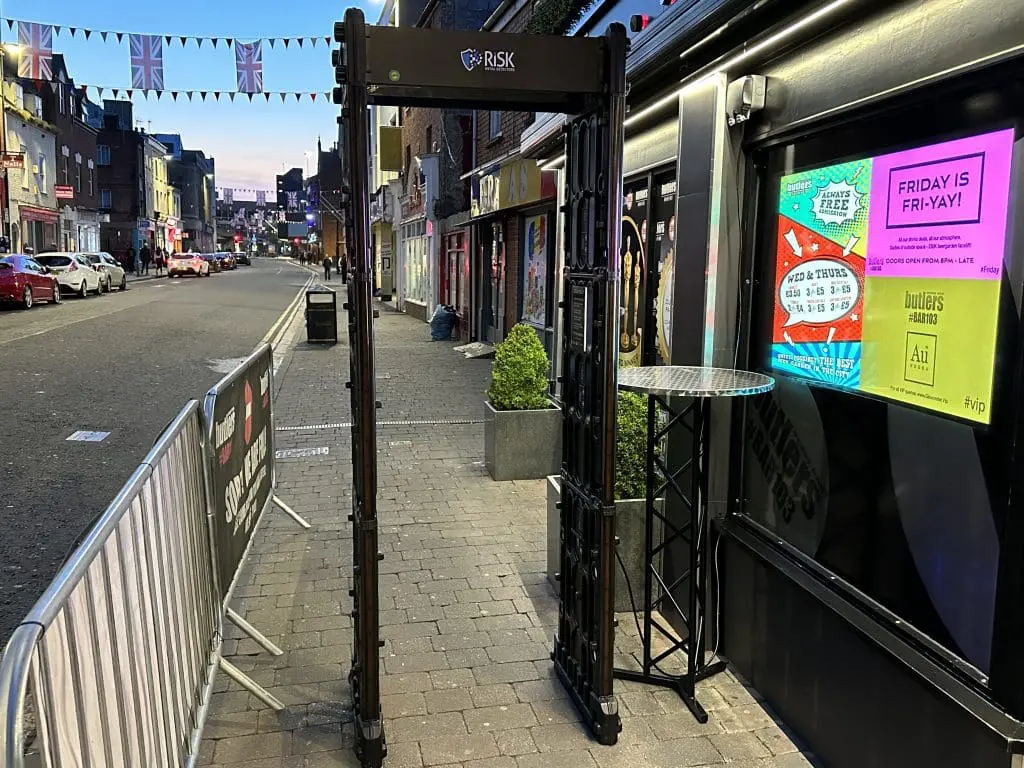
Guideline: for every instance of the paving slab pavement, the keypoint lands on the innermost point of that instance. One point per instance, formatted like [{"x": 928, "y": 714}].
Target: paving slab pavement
[{"x": 467, "y": 614}]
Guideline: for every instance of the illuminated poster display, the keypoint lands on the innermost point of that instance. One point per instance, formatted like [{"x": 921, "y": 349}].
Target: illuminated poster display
[
  {"x": 535, "y": 280},
  {"x": 888, "y": 272},
  {"x": 635, "y": 204}
]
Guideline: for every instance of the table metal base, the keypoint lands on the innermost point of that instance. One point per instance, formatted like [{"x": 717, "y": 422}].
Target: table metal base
[
  {"x": 692, "y": 529},
  {"x": 677, "y": 683}
]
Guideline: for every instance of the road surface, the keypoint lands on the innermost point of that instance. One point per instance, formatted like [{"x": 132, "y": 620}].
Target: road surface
[{"x": 123, "y": 363}]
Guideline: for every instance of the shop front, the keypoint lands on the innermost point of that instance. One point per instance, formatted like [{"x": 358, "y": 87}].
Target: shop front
[
  {"x": 167, "y": 233},
  {"x": 79, "y": 230},
  {"x": 454, "y": 273},
  {"x": 513, "y": 251},
  {"x": 849, "y": 225},
  {"x": 382, "y": 235},
  {"x": 87, "y": 231},
  {"x": 37, "y": 229}
]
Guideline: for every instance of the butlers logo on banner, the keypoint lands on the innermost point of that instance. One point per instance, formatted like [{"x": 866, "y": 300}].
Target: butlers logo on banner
[{"x": 242, "y": 443}]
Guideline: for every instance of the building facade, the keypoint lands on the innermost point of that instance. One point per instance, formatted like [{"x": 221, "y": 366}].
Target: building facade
[
  {"x": 192, "y": 175},
  {"x": 513, "y": 259},
  {"x": 75, "y": 183},
  {"x": 437, "y": 152},
  {"x": 122, "y": 181},
  {"x": 867, "y": 564},
  {"x": 30, "y": 131}
]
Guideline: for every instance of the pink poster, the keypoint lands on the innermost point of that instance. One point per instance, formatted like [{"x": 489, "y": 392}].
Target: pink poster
[{"x": 940, "y": 210}]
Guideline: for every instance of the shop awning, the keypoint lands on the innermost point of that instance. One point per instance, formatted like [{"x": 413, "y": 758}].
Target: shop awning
[{"x": 31, "y": 213}]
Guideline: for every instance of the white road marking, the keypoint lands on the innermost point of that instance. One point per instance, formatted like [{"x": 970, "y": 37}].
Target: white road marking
[
  {"x": 301, "y": 453},
  {"x": 83, "y": 436}
]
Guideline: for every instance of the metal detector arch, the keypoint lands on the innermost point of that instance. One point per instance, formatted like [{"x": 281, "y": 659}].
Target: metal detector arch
[{"x": 584, "y": 77}]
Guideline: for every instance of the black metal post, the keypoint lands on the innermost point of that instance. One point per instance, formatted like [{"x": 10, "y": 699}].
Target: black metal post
[
  {"x": 584, "y": 648},
  {"x": 365, "y": 677}
]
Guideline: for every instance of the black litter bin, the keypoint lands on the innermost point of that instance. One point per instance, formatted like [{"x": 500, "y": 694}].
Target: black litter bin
[{"x": 321, "y": 316}]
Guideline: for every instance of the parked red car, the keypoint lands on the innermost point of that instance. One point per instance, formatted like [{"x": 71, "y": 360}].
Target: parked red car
[{"x": 25, "y": 281}]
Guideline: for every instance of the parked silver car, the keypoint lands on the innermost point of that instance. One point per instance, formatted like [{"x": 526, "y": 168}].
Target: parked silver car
[{"x": 112, "y": 272}]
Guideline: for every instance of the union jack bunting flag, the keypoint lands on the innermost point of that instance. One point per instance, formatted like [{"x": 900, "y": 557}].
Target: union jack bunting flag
[
  {"x": 249, "y": 66},
  {"x": 36, "y": 41},
  {"x": 147, "y": 53}
]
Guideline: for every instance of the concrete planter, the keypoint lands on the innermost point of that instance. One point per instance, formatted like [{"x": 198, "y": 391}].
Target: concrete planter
[
  {"x": 630, "y": 516},
  {"x": 522, "y": 445}
]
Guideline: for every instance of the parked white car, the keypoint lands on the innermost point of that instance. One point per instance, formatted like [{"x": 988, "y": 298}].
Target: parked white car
[
  {"x": 113, "y": 273},
  {"x": 179, "y": 264},
  {"x": 74, "y": 272}
]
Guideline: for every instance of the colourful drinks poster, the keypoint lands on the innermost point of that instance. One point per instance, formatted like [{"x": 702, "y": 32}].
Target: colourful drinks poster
[
  {"x": 823, "y": 221},
  {"x": 888, "y": 272}
]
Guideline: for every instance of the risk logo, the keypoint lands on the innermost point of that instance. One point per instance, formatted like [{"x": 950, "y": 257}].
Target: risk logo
[
  {"x": 471, "y": 59},
  {"x": 490, "y": 61}
]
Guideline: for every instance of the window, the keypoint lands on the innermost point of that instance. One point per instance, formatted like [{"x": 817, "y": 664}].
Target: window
[
  {"x": 60, "y": 97},
  {"x": 66, "y": 177},
  {"x": 42, "y": 171},
  {"x": 105, "y": 198},
  {"x": 494, "y": 124},
  {"x": 26, "y": 171},
  {"x": 102, "y": 154},
  {"x": 78, "y": 177},
  {"x": 92, "y": 181}
]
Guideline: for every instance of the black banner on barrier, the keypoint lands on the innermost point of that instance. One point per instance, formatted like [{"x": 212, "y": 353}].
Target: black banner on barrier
[{"x": 238, "y": 413}]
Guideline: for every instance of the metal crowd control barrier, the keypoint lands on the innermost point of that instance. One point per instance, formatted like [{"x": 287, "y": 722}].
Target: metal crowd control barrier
[
  {"x": 116, "y": 661},
  {"x": 119, "y": 652}
]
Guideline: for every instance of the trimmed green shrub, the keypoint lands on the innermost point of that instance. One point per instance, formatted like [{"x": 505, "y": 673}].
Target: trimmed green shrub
[
  {"x": 631, "y": 446},
  {"x": 519, "y": 379}
]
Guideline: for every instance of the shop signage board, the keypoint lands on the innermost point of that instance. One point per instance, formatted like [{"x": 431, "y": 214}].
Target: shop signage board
[
  {"x": 512, "y": 184},
  {"x": 11, "y": 160},
  {"x": 888, "y": 273}
]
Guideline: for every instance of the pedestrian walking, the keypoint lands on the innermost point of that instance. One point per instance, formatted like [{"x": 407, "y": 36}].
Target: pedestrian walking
[
  {"x": 134, "y": 263},
  {"x": 158, "y": 262},
  {"x": 327, "y": 267},
  {"x": 145, "y": 256}
]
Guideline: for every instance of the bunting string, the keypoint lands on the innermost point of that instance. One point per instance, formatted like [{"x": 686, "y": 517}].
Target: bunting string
[
  {"x": 101, "y": 91},
  {"x": 180, "y": 40}
]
